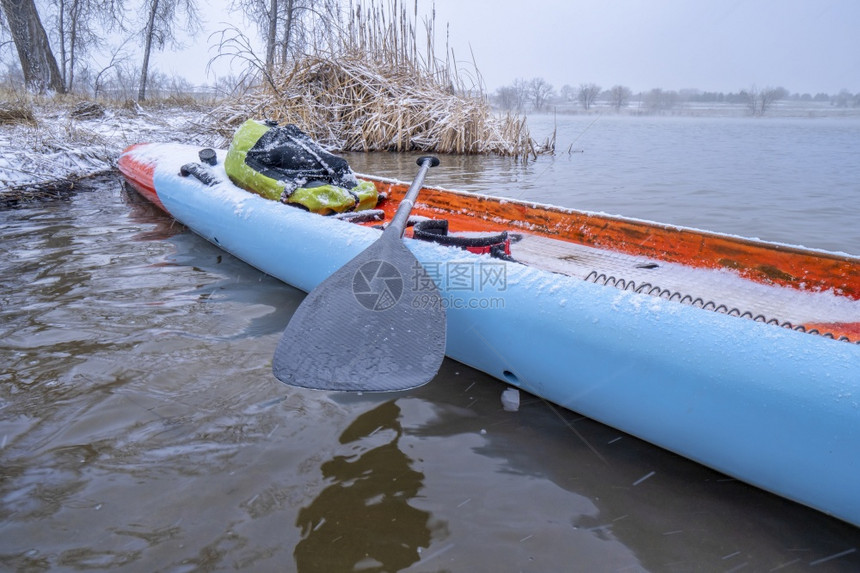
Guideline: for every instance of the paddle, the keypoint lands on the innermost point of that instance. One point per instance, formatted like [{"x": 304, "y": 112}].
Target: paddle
[{"x": 377, "y": 324}]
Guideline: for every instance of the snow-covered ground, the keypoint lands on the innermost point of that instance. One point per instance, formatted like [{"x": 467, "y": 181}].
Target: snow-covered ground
[{"x": 62, "y": 145}]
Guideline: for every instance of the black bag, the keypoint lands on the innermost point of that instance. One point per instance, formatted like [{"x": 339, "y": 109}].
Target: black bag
[{"x": 286, "y": 153}]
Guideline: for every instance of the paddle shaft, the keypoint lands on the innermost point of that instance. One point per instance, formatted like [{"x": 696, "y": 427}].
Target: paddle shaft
[{"x": 401, "y": 217}]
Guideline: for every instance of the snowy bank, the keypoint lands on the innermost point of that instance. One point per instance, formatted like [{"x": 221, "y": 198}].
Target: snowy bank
[{"x": 58, "y": 145}]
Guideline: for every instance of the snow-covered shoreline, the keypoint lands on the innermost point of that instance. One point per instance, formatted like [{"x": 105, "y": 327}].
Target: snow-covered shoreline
[{"x": 62, "y": 145}]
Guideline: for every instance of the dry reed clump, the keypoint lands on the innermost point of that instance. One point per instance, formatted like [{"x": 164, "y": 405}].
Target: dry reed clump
[
  {"x": 355, "y": 104},
  {"x": 16, "y": 112},
  {"x": 372, "y": 82},
  {"x": 87, "y": 110}
]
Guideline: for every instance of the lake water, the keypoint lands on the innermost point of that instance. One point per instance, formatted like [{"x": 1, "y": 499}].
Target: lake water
[
  {"x": 790, "y": 180},
  {"x": 141, "y": 428}
]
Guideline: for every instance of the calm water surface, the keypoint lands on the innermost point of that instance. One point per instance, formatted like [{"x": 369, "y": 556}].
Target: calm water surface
[
  {"x": 790, "y": 180},
  {"x": 141, "y": 428}
]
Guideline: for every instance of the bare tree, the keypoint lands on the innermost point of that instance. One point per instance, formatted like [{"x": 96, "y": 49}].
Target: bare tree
[
  {"x": 508, "y": 98},
  {"x": 751, "y": 97},
  {"x": 38, "y": 63},
  {"x": 235, "y": 45},
  {"x": 514, "y": 96},
  {"x": 660, "y": 101},
  {"x": 843, "y": 99},
  {"x": 568, "y": 92},
  {"x": 264, "y": 13},
  {"x": 271, "y": 34},
  {"x": 81, "y": 25},
  {"x": 759, "y": 101},
  {"x": 121, "y": 81},
  {"x": 160, "y": 30},
  {"x": 587, "y": 95},
  {"x": 118, "y": 57},
  {"x": 619, "y": 96},
  {"x": 281, "y": 24},
  {"x": 769, "y": 96},
  {"x": 232, "y": 85},
  {"x": 539, "y": 91},
  {"x": 291, "y": 10}
]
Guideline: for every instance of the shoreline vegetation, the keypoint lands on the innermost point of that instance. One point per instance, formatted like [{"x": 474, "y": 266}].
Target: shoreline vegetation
[
  {"x": 51, "y": 143},
  {"x": 367, "y": 84},
  {"x": 349, "y": 103}
]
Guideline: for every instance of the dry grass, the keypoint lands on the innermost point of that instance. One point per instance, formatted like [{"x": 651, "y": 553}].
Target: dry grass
[
  {"x": 16, "y": 112},
  {"x": 370, "y": 88},
  {"x": 351, "y": 104},
  {"x": 367, "y": 85},
  {"x": 69, "y": 139}
]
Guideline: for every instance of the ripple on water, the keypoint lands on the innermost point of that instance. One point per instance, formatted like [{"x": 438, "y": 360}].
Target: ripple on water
[{"x": 140, "y": 427}]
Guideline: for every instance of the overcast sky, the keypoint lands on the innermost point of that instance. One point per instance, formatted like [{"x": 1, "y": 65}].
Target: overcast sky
[{"x": 712, "y": 45}]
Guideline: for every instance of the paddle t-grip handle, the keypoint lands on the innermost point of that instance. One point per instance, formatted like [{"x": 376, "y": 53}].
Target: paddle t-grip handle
[
  {"x": 434, "y": 161},
  {"x": 398, "y": 222}
]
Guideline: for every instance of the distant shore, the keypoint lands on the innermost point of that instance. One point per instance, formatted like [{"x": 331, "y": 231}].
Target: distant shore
[
  {"x": 786, "y": 108},
  {"x": 54, "y": 148}
]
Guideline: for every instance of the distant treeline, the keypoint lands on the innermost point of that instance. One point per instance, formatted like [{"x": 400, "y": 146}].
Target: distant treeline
[
  {"x": 122, "y": 86},
  {"x": 539, "y": 95}
]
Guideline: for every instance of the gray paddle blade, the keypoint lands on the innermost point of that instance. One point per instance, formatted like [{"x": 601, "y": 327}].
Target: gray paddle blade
[{"x": 376, "y": 325}]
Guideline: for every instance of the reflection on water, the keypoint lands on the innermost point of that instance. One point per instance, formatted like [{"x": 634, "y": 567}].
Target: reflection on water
[
  {"x": 779, "y": 179},
  {"x": 363, "y": 519},
  {"x": 141, "y": 430}
]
